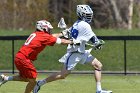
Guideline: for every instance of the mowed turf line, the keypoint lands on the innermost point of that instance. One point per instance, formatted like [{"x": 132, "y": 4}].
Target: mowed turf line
[{"x": 81, "y": 84}]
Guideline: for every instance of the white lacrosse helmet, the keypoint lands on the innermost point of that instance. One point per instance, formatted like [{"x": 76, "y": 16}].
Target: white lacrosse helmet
[
  {"x": 85, "y": 13},
  {"x": 43, "y": 25}
]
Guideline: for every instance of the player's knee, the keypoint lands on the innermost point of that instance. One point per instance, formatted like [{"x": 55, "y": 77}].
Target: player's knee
[
  {"x": 100, "y": 66},
  {"x": 63, "y": 76},
  {"x": 97, "y": 64}
]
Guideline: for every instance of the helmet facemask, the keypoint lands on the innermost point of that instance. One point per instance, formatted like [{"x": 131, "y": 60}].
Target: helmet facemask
[
  {"x": 87, "y": 17},
  {"x": 85, "y": 13}
]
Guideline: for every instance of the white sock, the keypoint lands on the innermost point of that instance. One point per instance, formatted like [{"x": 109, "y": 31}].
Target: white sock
[
  {"x": 8, "y": 78},
  {"x": 42, "y": 82},
  {"x": 98, "y": 86}
]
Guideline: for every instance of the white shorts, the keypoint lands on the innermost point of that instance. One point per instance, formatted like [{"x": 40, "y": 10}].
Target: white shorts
[{"x": 71, "y": 59}]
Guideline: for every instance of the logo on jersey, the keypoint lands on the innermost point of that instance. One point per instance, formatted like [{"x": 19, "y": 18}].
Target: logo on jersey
[{"x": 74, "y": 33}]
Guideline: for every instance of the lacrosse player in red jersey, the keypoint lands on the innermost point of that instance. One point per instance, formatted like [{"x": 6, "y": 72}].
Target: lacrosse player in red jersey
[
  {"x": 34, "y": 44},
  {"x": 76, "y": 53}
]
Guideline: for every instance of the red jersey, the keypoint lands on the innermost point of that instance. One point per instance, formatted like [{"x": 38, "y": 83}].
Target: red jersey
[{"x": 35, "y": 43}]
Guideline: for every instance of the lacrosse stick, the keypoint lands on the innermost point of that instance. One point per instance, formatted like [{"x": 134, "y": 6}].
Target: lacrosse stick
[
  {"x": 63, "y": 26},
  {"x": 97, "y": 46},
  {"x": 62, "y": 23}
]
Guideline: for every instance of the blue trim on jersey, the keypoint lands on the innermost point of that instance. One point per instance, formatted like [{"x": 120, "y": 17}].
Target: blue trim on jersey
[
  {"x": 68, "y": 61},
  {"x": 74, "y": 31}
]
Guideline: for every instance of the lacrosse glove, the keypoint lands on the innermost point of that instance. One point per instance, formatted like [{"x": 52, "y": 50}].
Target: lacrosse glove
[
  {"x": 75, "y": 42},
  {"x": 99, "y": 45}
]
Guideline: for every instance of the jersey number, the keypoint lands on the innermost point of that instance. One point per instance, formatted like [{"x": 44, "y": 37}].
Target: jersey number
[
  {"x": 74, "y": 33},
  {"x": 29, "y": 39}
]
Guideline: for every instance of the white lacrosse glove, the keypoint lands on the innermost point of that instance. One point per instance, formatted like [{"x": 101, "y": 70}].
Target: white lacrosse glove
[
  {"x": 76, "y": 42},
  {"x": 66, "y": 33},
  {"x": 99, "y": 45}
]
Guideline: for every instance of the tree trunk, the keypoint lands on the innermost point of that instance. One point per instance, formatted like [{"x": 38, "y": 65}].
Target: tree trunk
[
  {"x": 116, "y": 13},
  {"x": 130, "y": 14},
  {"x": 14, "y": 15},
  {"x": 138, "y": 11}
]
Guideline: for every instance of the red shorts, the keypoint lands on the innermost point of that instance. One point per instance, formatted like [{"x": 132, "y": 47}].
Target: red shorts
[{"x": 25, "y": 66}]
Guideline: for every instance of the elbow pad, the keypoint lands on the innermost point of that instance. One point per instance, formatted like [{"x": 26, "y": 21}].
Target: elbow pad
[{"x": 94, "y": 40}]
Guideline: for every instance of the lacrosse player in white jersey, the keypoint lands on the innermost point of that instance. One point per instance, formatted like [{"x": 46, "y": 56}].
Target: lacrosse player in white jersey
[{"x": 80, "y": 33}]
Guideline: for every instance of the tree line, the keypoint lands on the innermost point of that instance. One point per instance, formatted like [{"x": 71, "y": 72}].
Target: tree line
[{"x": 22, "y": 14}]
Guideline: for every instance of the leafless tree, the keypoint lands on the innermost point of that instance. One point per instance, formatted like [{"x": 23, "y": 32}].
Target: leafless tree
[
  {"x": 107, "y": 13},
  {"x": 130, "y": 14}
]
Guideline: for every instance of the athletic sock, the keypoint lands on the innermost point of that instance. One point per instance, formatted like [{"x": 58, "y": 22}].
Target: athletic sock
[
  {"x": 98, "y": 86},
  {"x": 8, "y": 78},
  {"x": 42, "y": 82}
]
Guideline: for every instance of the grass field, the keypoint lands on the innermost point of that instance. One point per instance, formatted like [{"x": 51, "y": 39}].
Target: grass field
[
  {"x": 111, "y": 56},
  {"x": 80, "y": 84}
]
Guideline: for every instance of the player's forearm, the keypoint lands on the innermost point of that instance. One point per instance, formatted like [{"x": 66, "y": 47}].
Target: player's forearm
[
  {"x": 65, "y": 42},
  {"x": 57, "y": 34}
]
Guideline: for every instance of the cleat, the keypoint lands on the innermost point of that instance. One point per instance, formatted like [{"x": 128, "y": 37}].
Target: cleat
[
  {"x": 104, "y": 91},
  {"x": 2, "y": 79},
  {"x": 37, "y": 87}
]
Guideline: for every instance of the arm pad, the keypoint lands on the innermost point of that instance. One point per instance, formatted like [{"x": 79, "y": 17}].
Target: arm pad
[
  {"x": 97, "y": 42},
  {"x": 94, "y": 40}
]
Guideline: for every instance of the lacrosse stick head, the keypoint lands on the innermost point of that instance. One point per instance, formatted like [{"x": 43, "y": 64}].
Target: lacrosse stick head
[{"x": 62, "y": 23}]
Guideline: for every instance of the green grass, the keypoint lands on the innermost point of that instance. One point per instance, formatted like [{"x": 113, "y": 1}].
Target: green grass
[
  {"x": 14, "y": 32},
  {"x": 117, "y": 32},
  {"x": 98, "y": 32},
  {"x": 111, "y": 55},
  {"x": 80, "y": 84}
]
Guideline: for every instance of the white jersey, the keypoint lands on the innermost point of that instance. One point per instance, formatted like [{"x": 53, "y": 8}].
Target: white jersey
[{"x": 80, "y": 31}]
